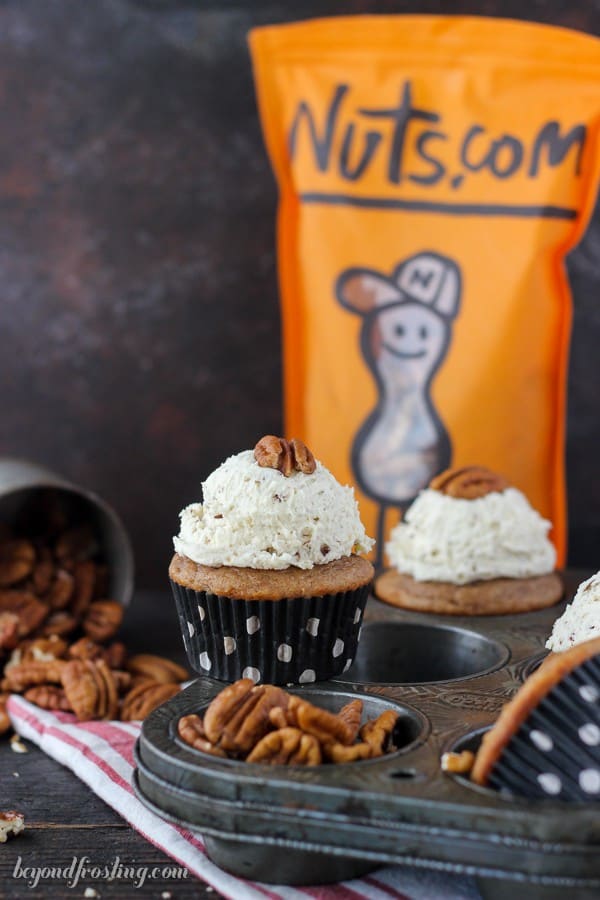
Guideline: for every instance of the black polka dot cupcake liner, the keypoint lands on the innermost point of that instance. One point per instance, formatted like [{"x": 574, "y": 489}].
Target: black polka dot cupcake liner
[
  {"x": 292, "y": 641},
  {"x": 555, "y": 754}
]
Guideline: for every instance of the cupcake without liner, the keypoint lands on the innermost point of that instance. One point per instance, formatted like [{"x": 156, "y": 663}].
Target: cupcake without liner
[
  {"x": 267, "y": 576},
  {"x": 470, "y": 544}
]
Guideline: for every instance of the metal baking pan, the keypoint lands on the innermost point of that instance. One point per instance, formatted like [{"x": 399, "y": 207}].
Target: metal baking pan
[{"x": 448, "y": 678}]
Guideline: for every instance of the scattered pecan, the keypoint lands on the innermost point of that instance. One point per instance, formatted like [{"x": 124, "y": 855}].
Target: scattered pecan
[
  {"x": 287, "y": 746},
  {"x": 11, "y": 822},
  {"x": 115, "y": 656},
  {"x": 458, "y": 763},
  {"x": 43, "y": 572},
  {"x": 238, "y": 717},
  {"x": 141, "y": 700},
  {"x": 84, "y": 575},
  {"x": 288, "y": 456},
  {"x": 102, "y": 619},
  {"x": 351, "y": 714},
  {"x": 341, "y": 753},
  {"x": 156, "y": 667},
  {"x": 9, "y": 630},
  {"x": 325, "y": 726},
  {"x": 48, "y": 696},
  {"x": 17, "y": 559},
  {"x": 61, "y": 589},
  {"x": 28, "y": 674},
  {"x": 26, "y": 606},
  {"x": 122, "y": 680},
  {"x": 468, "y": 483},
  {"x": 378, "y": 732},
  {"x": 60, "y": 623},
  {"x": 4, "y": 719},
  {"x": 85, "y": 648},
  {"x": 191, "y": 730},
  {"x": 43, "y": 649}
]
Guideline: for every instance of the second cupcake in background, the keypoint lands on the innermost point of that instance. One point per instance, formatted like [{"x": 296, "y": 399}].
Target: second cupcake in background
[
  {"x": 267, "y": 576},
  {"x": 470, "y": 544}
]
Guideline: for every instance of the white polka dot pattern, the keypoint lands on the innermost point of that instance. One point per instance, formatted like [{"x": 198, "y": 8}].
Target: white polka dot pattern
[
  {"x": 550, "y": 783},
  {"x": 589, "y": 734},
  {"x": 312, "y": 626},
  {"x": 589, "y": 693},
  {"x": 252, "y": 624},
  {"x": 307, "y": 676},
  {"x": 357, "y": 615},
  {"x": 589, "y": 781},
  {"x": 252, "y": 673},
  {"x": 205, "y": 661},
  {"x": 191, "y": 629},
  {"x": 541, "y": 740},
  {"x": 284, "y": 653},
  {"x": 201, "y": 612},
  {"x": 347, "y": 665},
  {"x": 338, "y": 648},
  {"x": 229, "y": 645}
]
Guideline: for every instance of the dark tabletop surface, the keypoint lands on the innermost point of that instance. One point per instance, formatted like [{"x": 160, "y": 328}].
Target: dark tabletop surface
[{"x": 65, "y": 819}]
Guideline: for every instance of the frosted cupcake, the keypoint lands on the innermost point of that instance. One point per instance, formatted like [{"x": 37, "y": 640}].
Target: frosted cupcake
[
  {"x": 471, "y": 544},
  {"x": 580, "y": 620},
  {"x": 267, "y": 575}
]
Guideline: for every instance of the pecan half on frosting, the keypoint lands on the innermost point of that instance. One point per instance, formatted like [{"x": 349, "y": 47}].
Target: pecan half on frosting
[
  {"x": 468, "y": 483},
  {"x": 273, "y": 452}
]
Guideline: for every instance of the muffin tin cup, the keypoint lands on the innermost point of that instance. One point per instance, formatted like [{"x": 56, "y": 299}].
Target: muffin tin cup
[{"x": 292, "y": 641}]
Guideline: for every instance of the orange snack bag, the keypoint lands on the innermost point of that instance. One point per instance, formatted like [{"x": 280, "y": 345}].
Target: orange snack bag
[{"x": 433, "y": 173}]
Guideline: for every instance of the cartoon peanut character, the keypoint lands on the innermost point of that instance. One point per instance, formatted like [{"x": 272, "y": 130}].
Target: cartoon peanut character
[{"x": 404, "y": 338}]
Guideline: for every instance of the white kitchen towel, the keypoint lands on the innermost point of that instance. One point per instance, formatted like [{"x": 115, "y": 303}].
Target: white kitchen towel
[{"x": 101, "y": 755}]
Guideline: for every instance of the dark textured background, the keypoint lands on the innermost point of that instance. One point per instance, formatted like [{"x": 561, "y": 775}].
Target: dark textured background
[{"x": 138, "y": 312}]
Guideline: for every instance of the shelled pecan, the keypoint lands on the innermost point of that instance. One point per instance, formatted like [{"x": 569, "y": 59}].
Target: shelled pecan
[{"x": 468, "y": 483}]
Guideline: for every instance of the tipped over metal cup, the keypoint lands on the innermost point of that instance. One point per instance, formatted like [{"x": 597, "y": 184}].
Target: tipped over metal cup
[{"x": 24, "y": 484}]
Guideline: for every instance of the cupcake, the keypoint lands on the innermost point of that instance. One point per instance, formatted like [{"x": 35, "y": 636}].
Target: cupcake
[
  {"x": 581, "y": 619},
  {"x": 266, "y": 573},
  {"x": 470, "y": 544},
  {"x": 546, "y": 741}
]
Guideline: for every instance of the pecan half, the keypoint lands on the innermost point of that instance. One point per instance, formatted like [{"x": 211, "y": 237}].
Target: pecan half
[
  {"x": 238, "y": 717},
  {"x": 61, "y": 589},
  {"x": 351, "y": 714},
  {"x": 4, "y": 719},
  {"x": 17, "y": 559},
  {"x": 288, "y": 456},
  {"x": 157, "y": 668},
  {"x": 287, "y": 746},
  {"x": 27, "y": 674},
  {"x": 81, "y": 688},
  {"x": 143, "y": 699},
  {"x": 30, "y": 611},
  {"x": 84, "y": 576},
  {"x": 340, "y": 753},
  {"x": 60, "y": 623},
  {"x": 9, "y": 630},
  {"x": 48, "y": 696},
  {"x": 76, "y": 544},
  {"x": 11, "y": 822},
  {"x": 325, "y": 726},
  {"x": 43, "y": 649},
  {"x": 102, "y": 619},
  {"x": 43, "y": 572},
  {"x": 191, "y": 730},
  {"x": 378, "y": 732},
  {"x": 468, "y": 483}
]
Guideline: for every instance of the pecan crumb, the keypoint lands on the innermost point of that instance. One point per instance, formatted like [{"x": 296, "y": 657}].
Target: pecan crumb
[{"x": 458, "y": 763}]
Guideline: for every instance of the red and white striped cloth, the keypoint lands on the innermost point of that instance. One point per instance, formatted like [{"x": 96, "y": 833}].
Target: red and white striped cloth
[{"x": 101, "y": 754}]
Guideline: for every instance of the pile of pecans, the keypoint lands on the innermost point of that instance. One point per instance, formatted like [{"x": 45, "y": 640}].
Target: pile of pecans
[
  {"x": 265, "y": 724},
  {"x": 57, "y": 628}
]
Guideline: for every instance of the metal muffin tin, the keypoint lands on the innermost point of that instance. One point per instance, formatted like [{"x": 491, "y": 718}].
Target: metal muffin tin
[{"x": 448, "y": 677}]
